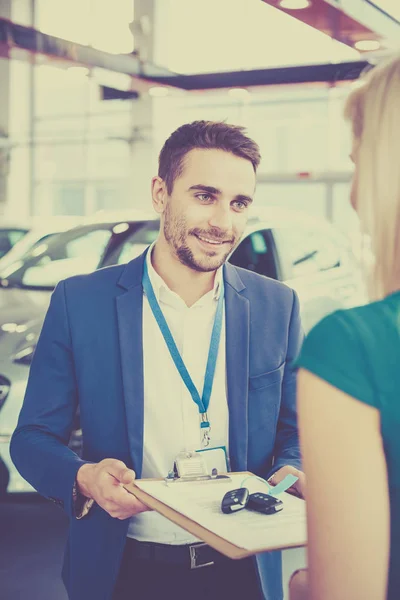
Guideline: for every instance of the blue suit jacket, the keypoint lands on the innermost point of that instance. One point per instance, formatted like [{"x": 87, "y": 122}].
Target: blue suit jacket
[{"x": 90, "y": 352}]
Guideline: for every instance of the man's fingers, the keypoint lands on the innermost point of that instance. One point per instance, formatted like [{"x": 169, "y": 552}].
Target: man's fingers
[
  {"x": 121, "y": 500},
  {"x": 128, "y": 476},
  {"x": 122, "y": 496},
  {"x": 298, "y": 488},
  {"x": 280, "y": 475},
  {"x": 120, "y": 471},
  {"x": 295, "y": 491}
]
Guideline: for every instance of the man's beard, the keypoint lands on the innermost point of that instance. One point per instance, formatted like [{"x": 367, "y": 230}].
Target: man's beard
[{"x": 176, "y": 233}]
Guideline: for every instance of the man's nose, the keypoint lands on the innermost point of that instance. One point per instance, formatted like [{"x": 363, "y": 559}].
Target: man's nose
[{"x": 221, "y": 218}]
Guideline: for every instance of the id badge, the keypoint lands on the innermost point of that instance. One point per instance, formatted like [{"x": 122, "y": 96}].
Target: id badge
[
  {"x": 215, "y": 458},
  {"x": 199, "y": 466}
]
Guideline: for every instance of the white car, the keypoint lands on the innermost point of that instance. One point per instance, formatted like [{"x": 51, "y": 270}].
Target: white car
[
  {"x": 11, "y": 234},
  {"x": 307, "y": 254},
  {"x": 16, "y": 241}
]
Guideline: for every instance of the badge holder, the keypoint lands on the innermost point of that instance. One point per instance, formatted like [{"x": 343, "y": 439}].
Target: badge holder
[{"x": 191, "y": 467}]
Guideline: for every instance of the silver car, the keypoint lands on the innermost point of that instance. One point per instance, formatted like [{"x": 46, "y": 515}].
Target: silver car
[
  {"x": 307, "y": 254},
  {"x": 10, "y": 235},
  {"x": 16, "y": 242}
]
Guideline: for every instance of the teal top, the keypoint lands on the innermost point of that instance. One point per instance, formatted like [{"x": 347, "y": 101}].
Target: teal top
[{"x": 358, "y": 352}]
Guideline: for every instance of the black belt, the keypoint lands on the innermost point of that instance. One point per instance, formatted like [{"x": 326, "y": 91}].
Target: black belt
[{"x": 192, "y": 556}]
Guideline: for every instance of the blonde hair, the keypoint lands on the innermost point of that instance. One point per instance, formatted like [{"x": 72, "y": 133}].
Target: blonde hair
[{"x": 374, "y": 110}]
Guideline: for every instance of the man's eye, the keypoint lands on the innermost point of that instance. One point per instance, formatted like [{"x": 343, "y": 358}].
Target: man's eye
[
  {"x": 204, "y": 197},
  {"x": 239, "y": 205}
]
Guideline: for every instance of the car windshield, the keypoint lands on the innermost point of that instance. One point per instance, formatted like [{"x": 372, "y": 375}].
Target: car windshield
[
  {"x": 73, "y": 252},
  {"x": 9, "y": 237}
]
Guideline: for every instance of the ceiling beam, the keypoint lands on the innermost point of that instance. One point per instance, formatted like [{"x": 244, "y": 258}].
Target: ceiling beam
[
  {"x": 20, "y": 42},
  {"x": 17, "y": 41},
  {"x": 326, "y": 73},
  {"x": 371, "y": 16}
]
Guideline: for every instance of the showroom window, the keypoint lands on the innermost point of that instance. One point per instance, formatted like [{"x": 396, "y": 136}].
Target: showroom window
[
  {"x": 69, "y": 199},
  {"x": 82, "y": 147}
]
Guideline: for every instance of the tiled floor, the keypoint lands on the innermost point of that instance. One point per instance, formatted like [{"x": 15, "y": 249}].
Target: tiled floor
[{"x": 32, "y": 542}]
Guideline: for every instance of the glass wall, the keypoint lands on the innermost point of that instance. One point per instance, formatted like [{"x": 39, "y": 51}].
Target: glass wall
[
  {"x": 299, "y": 128},
  {"x": 84, "y": 149},
  {"x": 82, "y": 155},
  {"x": 71, "y": 151},
  {"x": 304, "y": 141}
]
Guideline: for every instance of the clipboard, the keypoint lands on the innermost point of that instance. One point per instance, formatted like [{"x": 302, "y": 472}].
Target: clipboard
[{"x": 204, "y": 534}]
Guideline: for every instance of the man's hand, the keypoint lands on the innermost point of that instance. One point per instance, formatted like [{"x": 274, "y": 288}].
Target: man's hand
[
  {"x": 104, "y": 483},
  {"x": 299, "y": 488}
]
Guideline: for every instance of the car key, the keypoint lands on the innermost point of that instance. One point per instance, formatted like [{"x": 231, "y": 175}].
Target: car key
[
  {"x": 234, "y": 500},
  {"x": 264, "y": 503}
]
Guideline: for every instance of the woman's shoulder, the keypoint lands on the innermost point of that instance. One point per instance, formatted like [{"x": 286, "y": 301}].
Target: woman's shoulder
[
  {"x": 356, "y": 349},
  {"x": 364, "y": 323}
]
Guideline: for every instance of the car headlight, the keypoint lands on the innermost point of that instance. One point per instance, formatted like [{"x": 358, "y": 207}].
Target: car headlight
[{"x": 25, "y": 355}]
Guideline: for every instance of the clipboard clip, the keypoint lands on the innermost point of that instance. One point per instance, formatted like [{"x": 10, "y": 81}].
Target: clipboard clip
[
  {"x": 196, "y": 479},
  {"x": 190, "y": 467}
]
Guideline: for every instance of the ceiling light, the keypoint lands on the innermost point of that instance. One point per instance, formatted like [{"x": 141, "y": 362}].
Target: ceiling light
[
  {"x": 158, "y": 91},
  {"x": 239, "y": 93},
  {"x": 9, "y": 327},
  {"x": 367, "y": 45},
  {"x": 295, "y": 4}
]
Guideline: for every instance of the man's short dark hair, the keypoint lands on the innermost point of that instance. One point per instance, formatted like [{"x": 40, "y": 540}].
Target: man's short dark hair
[{"x": 209, "y": 135}]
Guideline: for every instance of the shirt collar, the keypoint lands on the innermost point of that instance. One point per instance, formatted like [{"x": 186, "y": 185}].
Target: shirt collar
[{"x": 162, "y": 291}]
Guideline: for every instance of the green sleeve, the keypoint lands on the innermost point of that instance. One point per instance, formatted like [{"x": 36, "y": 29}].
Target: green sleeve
[{"x": 334, "y": 351}]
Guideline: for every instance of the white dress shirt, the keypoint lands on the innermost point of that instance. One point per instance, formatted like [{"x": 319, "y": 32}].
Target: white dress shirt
[{"x": 171, "y": 418}]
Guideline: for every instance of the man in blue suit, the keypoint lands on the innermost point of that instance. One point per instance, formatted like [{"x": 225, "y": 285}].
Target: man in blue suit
[{"x": 134, "y": 346}]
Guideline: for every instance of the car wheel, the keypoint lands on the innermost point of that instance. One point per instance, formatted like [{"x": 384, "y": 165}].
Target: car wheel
[{"x": 4, "y": 479}]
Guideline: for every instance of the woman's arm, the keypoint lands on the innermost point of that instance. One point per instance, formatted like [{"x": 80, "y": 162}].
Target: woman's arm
[{"x": 347, "y": 493}]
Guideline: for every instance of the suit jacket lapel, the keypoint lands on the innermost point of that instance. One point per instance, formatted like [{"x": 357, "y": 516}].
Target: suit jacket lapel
[
  {"x": 130, "y": 328},
  {"x": 237, "y": 309}
]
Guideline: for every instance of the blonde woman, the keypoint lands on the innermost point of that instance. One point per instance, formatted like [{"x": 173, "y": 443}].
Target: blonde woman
[{"x": 349, "y": 382}]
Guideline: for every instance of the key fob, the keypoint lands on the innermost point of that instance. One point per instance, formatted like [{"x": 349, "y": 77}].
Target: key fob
[
  {"x": 234, "y": 500},
  {"x": 264, "y": 503}
]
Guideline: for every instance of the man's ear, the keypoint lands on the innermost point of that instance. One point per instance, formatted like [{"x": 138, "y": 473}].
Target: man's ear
[{"x": 159, "y": 194}]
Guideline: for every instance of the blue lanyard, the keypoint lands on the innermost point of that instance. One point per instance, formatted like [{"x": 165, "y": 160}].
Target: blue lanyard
[{"x": 203, "y": 401}]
